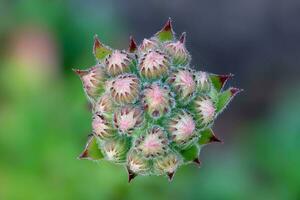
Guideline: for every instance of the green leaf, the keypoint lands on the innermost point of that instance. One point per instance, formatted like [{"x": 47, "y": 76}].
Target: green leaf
[
  {"x": 190, "y": 154},
  {"x": 207, "y": 136},
  {"x": 166, "y": 33},
  {"x": 225, "y": 97},
  {"x": 218, "y": 81},
  {"x": 91, "y": 151},
  {"x": 100, "y": 50}
]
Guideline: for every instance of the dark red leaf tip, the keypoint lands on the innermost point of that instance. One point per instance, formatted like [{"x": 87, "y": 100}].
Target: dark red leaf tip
[
  {"x": 84, "y": 154},
  {"x": 170, "y": 175},
  {"x": 224, "y": 78},
  {"x": 197, "y": 162},
  {"x": 131, "y": 175},
  {"x": 168, "y": 25},
  {"x": 215, "y": 139},
  {"x": 97, "y": 42},
  {"x": 235, "y": 91},
  {"x": 132, "y": 45},
  {"x": 182, "y": 38},
  {"x": 80, "y": 72}
]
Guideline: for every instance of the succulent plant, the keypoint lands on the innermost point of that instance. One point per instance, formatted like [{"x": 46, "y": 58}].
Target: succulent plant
[{"x": 152, "y": 112}]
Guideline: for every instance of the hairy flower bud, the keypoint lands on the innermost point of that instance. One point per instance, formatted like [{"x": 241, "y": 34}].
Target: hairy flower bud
[
  {"x": 147, "y": 45},
  {"x": 182, "y": 128},
  {"x": 167, "y": 164},
  {"x": 205, "y": 110},
  {"x": 157, "y": 100},
  {"x": 104, "y": 105},
  {"x": 203, "y": 82},
  {"x": 117, "y": 63},
  {"x": 93, "y": 80},
  {"x": 154, "y": 143},
  {"x": 116, "y": 149},
  {"x": 137, "y": 163},
  {"x": 183, "y": 83},
  {"x": 154, "y": 64},
  {"x": 178, "y": 52},
  {"x": 127, "y": 118},
  {"x": 101, "y": 126},
  {"x": 125, "y": 88}
]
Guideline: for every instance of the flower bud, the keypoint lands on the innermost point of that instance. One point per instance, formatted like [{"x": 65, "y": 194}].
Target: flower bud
[
  {"x": 117, "y": 63},
  {"x": 154, "y": 64},
  {"x": 148, "y": 45},
  {"x": 203, "y": 82},
  {"x": 125, "y": 88},
  {"x": 154, "y": 143},
  {"x": 182, "y": 128},
  {"x": 93, "y": 81},
  {"x": 104, "y": 105},
  {"x": 102, "y": 127},
  {"x": 127, "y": 118},
  {"x": 137, "y": 164},
  {"x": 205, "y": 110},
  {"x": 167, "y": 164},
  {"x": 157, "y": 100},
  {"x": 183, "y": 83},
  {"x": 116, "y": 149},
  {"x": 178, "y": 52}
]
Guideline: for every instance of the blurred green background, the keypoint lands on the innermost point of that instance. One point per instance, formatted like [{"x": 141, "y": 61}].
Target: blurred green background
[{"x": 44, "y": 117}]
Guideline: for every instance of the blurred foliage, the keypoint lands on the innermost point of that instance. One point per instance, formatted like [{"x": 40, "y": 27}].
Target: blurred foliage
[{"x": 45, "y": 123}]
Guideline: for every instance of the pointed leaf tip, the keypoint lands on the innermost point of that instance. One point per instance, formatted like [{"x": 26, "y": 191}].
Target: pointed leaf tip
[
  {"x": 215, "y": 139},
  {"x": 100, "y": 50},
  {"x": 91, "y": 150},
  {"x": 170, "y": 175},
  {"x": 166, "y": 33},
  {"x": 97, "y": 42},
  {"x": 80, "y": 72},
  {"x": 224, "y": 78},
  {"x": 131, "y": 175},
  {"x": 197, "y": 162},
  {"x": 84, "y": 154},
  {"x": 225, "y": 97},
  {"x": 208, "y": 136},
  {"x": 219, "y": 81},
  {"x": 190, "y": 154},
  {"x": 182, "y": 38},
  {"x": 235, "y": 91},
  {"x": 168, "y": 25},
  {"x": 132, "y": 45}
]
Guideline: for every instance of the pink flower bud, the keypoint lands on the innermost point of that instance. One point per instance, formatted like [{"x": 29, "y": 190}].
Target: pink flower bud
[
  {"x": 205, "y": 110},
  {"x": 104, "y": 105},
  {"x": 93, "y": 81},
  {"x": 117, "y": 63},
  {"x": 167, "y": 164},
  {"x": 154, "y": 64},
  {"x": 157, "y": 100},
  {"x": 182, "y": 128},
  {"x": 178, "y": 52},
  {"x": 125, "y": 88},
  {"x": 153, "y": 144},
  {"x": 183, "y": 83},
  {"x": 203, "y": 82},
  {"x": 116, "y": 149},
  {"x": 101, "y": 126},
  {"x": 137, "y": 163},
  {"x": 127, "y": 118},
  {"x": 148, "y": 45}
]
